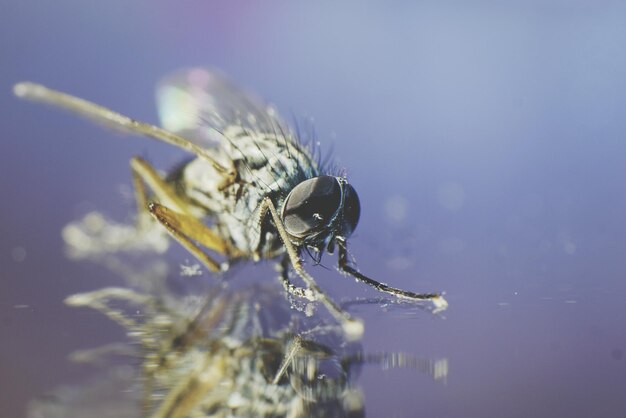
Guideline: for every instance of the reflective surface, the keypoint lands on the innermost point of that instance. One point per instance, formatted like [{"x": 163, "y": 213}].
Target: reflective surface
[
  {"x": 219, "y": 352},
  {"x": 486, "y": 143}
]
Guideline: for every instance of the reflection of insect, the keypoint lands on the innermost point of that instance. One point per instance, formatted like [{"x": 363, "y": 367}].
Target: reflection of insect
[
  {"x": 264, "y": 192},
  {"x": 231, "y": 354}
]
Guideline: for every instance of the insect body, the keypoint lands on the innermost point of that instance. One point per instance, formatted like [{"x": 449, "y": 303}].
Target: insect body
[{"x": 264, "y": 192}]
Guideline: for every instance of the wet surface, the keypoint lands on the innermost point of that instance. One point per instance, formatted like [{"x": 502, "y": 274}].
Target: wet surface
[{"x": 486, "y": 145}]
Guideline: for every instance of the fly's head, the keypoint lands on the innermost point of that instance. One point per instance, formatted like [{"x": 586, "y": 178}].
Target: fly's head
[{"x": 321, "y": 210}]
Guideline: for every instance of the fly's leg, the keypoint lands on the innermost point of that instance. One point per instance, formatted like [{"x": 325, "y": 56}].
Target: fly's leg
[
  {"x": 437, "y": 299},
  {"x": 193, "y": 388},
  {"x": 144, "y": 174},
  {"x": 186, "y": 229},
  {"x": 292, "y": 289},
  {"x": 101, "y": 114},
  {"x": 173, "y": 213},
  {"x": 352, "y": 328}
]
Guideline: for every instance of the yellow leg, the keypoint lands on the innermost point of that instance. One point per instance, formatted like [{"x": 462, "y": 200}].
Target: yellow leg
[
  {"x": 144, "y": 174},
  {"x": 185, "y": 229},
  {"x": 175, "y": 215},
  {"x": 113, "y": 119}
]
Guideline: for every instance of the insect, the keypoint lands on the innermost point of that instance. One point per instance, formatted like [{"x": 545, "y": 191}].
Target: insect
[{"x": 260, "y": 190}]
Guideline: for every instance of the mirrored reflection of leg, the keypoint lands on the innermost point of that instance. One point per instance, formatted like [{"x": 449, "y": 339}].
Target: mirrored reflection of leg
[
  {"x": 185, "y": 229},
  {"x": 344, "y": 266},
  {"x": 353, "y": 328},
  {"x": 175, "y": 346},
  {"x": 193, "y": 388},
  {"x": 435, "y": 369},
  {"x": 292, "y": 350}
]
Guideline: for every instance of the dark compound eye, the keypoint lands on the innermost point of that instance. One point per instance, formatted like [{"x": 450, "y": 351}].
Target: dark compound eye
[
  {"x": 311, "y": 205},
  {"x": 351, "y": 210}
]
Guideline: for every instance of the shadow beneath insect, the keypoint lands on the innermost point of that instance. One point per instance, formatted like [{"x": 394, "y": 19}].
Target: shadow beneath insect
[{"x": 222, "y": 352}]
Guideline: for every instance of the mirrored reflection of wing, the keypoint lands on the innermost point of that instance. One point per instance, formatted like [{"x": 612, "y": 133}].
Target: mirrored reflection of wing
[{"x": 200, "y": 104}]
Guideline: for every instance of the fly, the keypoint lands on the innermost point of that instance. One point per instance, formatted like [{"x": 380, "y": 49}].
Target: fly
[{"x": 261, "y": 189}]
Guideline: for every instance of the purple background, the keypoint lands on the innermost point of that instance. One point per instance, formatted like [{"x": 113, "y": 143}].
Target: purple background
[{"x": 487, "y": 144}]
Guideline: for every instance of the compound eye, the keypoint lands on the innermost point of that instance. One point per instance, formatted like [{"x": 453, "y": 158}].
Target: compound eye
[
  {"x": 311, "y": 205},
  {"x": 351, "y": 210}
]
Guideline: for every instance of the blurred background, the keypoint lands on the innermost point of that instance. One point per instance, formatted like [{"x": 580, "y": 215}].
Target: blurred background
[{"x": 486, "y": 142}]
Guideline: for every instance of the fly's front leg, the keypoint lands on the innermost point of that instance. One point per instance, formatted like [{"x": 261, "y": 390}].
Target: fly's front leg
[
  {"x": 437, "y": 299},
  {"x": 173, "y": 213},
  {"x": 292, "y": 289},
  {"x": 352, "y": 327}
]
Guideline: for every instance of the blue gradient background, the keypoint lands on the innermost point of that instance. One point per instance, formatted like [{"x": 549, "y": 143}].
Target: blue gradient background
[{"x": 496, "y": 128}]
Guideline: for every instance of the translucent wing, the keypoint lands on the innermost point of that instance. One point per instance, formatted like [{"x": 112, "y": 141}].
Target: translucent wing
[{"x": 201, "y": 104}]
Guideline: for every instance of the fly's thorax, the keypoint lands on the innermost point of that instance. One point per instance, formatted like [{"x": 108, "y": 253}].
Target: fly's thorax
[
  {"x": 319, "y": 210},
  {"x": 268, "y": 165}
]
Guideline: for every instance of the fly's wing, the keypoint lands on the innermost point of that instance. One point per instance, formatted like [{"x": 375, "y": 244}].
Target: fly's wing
[{"x": 201, "y": 105}]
